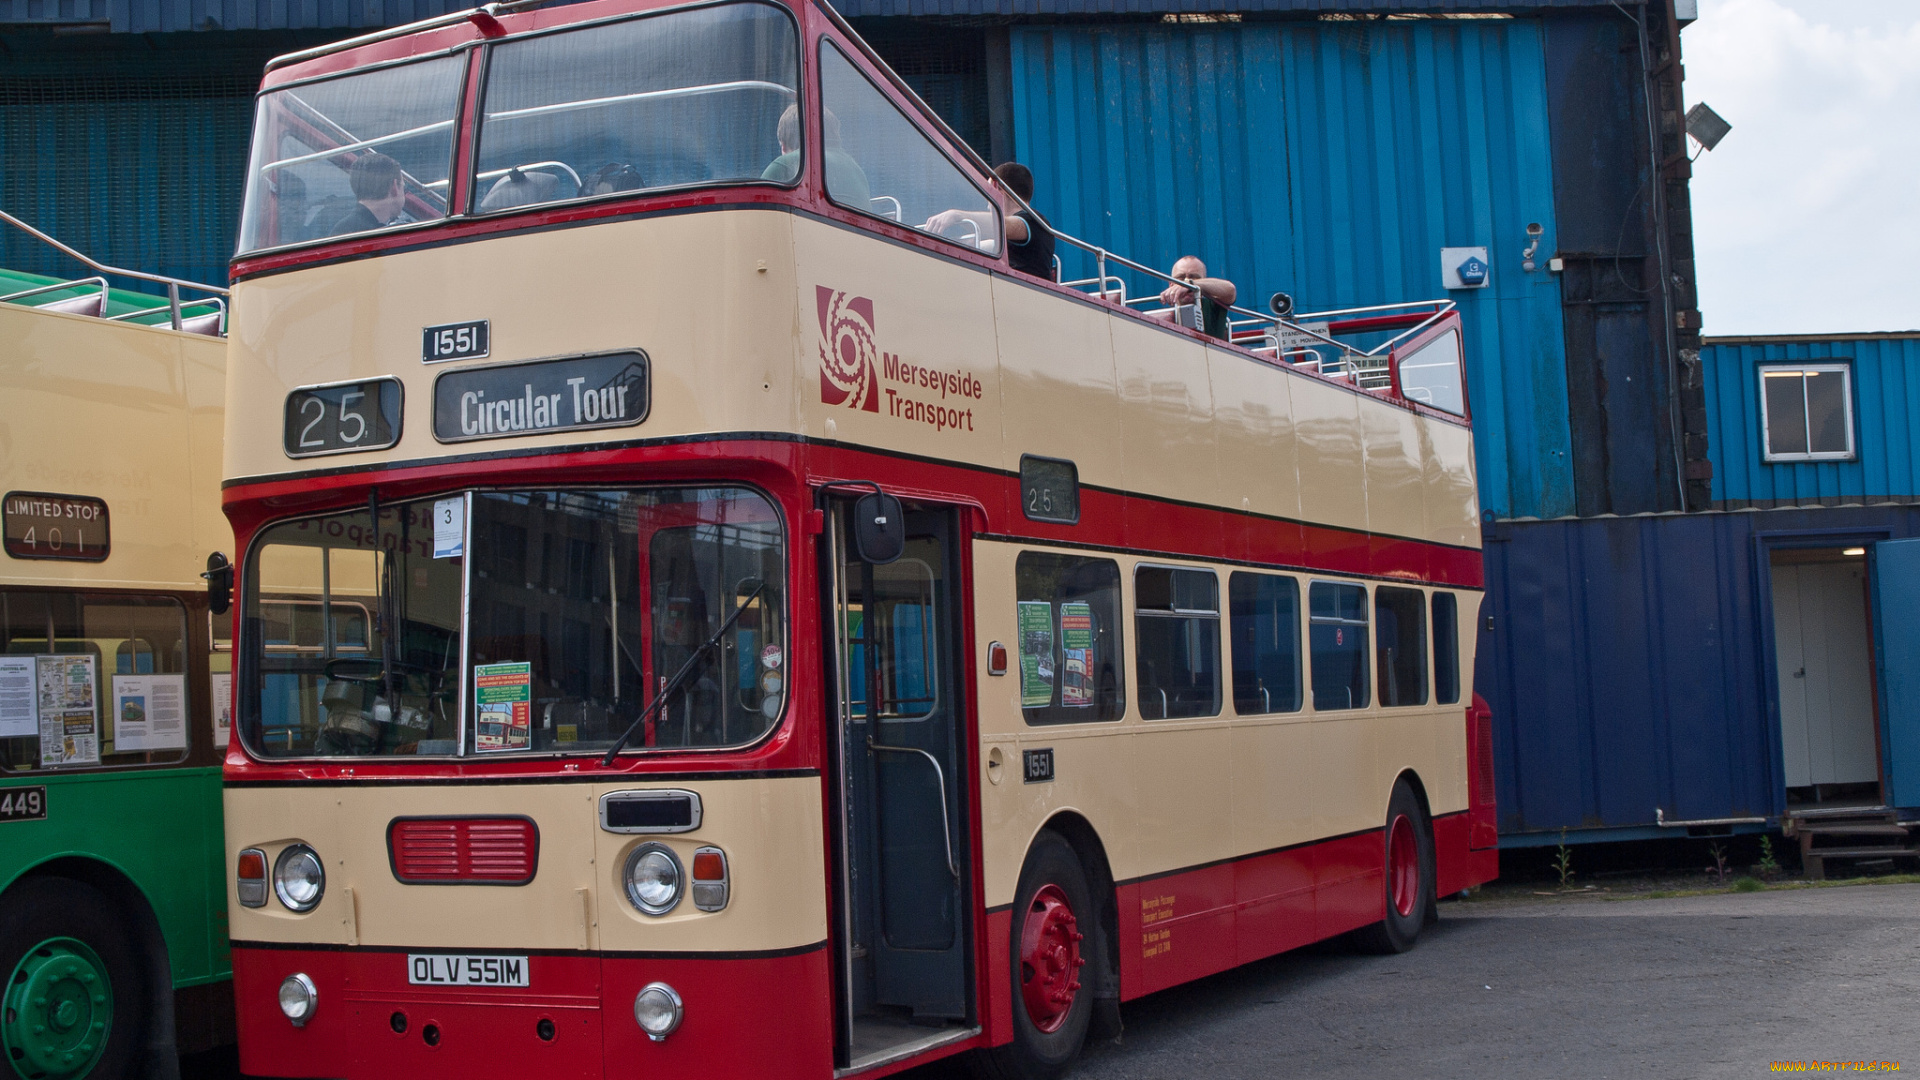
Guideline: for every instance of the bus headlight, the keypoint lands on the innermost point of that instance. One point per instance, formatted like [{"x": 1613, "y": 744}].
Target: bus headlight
[
  {"x": 653, "y": 879},
  {"x": 298, "y": 998},
  {"x": 299, "y": 878},
  {"x": 657, "y": 1009}
]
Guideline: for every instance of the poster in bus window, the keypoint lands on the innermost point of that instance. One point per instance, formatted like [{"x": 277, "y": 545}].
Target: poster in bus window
[
  {"x": 149, "y": 713},
  {"x": 1076, "y": 655},
  {"x": 18, "y": 716},
  {"x": 1036, "y": 653},
  {"x": 69, "y": 715},
  {"x": 503, "y": 706},
  {"x": 222, "y": 710}
]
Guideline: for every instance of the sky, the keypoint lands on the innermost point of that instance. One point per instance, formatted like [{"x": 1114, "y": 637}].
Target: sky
[{"x": 1806, "y": 218}]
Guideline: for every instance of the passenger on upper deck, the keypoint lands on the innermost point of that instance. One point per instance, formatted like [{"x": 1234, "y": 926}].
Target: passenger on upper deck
[
  {"x": 845, "y": 177},
  {"x": 1029, "y": 241},
  {"x": 1215, "y": 297},
  {"x": 375, "y": 180}
]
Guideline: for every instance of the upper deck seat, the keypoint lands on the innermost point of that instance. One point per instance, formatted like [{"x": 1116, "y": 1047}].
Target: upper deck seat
[
  {"x": 93, "y": 304},
  {"x": 519, "y": 188}
]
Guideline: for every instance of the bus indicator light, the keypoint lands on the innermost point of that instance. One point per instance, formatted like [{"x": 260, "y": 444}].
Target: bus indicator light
[
  {"x": 251, "y": 878},
  {"x": 709, "y": 879}
]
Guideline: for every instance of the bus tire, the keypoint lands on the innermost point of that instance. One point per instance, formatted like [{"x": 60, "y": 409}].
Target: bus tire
[
  {"x": 1409, "y": 877},
  {"x": 74, "y": 1000},
  {"x": 1052, "y": 1003}
]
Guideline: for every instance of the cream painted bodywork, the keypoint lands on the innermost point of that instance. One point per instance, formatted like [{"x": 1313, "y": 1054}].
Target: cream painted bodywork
[
  {"x": 724, "y": 303},
  {"x": 128, "y": 414},
  {"x": 769, "y": 828}
]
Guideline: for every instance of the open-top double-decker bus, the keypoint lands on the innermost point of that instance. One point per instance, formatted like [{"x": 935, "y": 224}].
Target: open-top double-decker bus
[
  {"x": 757, "y": 633},
  {"x": 114, "y": 676}
]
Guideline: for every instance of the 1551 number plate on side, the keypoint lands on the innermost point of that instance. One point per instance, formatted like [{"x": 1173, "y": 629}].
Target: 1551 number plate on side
[
  {"x": 340, "y": 418},
  {"x": 23, "y": 803}
]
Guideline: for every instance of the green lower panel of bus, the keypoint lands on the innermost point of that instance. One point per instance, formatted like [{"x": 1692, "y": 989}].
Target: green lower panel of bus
[{"x": 98, "y": 873}]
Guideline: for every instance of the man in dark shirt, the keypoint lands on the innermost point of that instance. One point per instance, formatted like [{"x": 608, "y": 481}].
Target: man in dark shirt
[
  {"x": 1029, "y": 241},
  {"x": 375, "y": 180}
]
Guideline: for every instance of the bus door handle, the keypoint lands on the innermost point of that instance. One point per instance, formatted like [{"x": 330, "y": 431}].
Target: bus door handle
[{"x": 940, "y": 774}]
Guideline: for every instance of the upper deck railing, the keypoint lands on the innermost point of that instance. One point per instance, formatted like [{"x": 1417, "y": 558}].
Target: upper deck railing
[{"x": 81, "y": 302}]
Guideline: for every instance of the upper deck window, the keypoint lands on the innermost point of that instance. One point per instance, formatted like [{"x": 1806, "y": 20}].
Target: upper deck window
[
  {"x": 353, "y": 154},
  {"x": 688, "y": 97},
  {"x": 878, "y": 162}
]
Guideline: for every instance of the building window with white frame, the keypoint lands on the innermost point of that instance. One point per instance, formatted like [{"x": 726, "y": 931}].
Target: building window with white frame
[{"x": 1807, "y": 411}]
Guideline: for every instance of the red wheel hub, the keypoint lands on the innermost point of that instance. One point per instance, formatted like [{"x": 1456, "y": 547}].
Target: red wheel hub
[
  {"x": 1050, "y": 959},
  {"x": 1403, "y": 866}
]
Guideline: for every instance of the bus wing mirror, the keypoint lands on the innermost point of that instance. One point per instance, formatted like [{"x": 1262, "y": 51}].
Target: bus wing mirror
[
  {"x": 219, "y": 575},
  {"x": 879, "y": 528}
]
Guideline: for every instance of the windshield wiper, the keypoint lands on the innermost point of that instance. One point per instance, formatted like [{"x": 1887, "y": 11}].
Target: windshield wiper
[{"x": 680, "y": 677}]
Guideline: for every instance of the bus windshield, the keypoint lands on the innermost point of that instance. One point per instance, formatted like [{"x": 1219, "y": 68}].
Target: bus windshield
[
  {"x": 352, "y": 154},
  {"x": 501, "y": 621},
  {"x": 689, "y": 97}
]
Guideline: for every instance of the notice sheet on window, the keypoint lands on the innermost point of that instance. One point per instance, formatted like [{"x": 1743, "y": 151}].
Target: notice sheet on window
[
  {"x": 503, "y": 706},
  {"x": 69, "y": 713},
  {"x": 18, "y": 717},
  {"x": 222, "y": 710},
  {"x": 149, "y": 713},
  {"x": 1036, "y": 653},
  {"x": 1076, "y": 654}
]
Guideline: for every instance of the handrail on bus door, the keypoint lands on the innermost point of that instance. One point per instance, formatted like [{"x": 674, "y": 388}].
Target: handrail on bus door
[{"x": 940, "y": 774}]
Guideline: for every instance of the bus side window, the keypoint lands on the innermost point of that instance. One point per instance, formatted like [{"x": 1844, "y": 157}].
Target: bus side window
[
  {"x": 1071, "y": 668},
  {"x": 1176, "y": 629},
  {"x": 878, "y": 162},
  {"x": 1401, "y": 617},
  {"x": 1446, "y": 648},
  {"x": 1337, "y": 636},
  {"x": 1265, "y": 627}
]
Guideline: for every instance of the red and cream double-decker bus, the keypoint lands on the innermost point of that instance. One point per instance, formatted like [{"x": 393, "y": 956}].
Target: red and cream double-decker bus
[{"x": 698, "y": 616}]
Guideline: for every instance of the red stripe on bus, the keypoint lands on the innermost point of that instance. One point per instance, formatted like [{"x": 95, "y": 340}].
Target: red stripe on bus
[{"x": 1140, "y": 523}]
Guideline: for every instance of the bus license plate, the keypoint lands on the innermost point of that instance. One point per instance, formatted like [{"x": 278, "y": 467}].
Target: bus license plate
[{"x": 441, "y": 969}]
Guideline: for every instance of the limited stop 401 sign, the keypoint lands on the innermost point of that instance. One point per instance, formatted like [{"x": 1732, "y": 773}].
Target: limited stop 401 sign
[{"x": 40, "y": 525}]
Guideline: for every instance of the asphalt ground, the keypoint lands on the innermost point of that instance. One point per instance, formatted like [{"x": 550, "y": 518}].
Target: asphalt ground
[
  {"x": 1690, "y": 987},
  {"x": 1566, "y": 987}
]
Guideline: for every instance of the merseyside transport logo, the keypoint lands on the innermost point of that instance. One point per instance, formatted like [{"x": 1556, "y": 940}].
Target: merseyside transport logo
[{"x": 847, "y": 353}]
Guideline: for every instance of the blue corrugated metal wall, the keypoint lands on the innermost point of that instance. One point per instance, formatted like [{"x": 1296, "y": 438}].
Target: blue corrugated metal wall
[
  {"x": 1331, "y": 161},
  {"x": 1630, "y": 665},
  {"x": 1886, "y": 409}
]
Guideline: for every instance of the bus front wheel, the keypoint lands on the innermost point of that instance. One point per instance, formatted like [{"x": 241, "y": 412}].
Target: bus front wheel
[
  {"x": 1409, "y": 877},
  {"x": 73, "y": 997},
  {"x": 1052, "y": 941}
]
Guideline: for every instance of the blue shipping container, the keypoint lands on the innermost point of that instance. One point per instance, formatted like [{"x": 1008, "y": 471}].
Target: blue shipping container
[{"x": 1332, "y": 161}]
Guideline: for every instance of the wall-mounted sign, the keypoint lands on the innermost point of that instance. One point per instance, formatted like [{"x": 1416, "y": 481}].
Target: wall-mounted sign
[
  {"x": 340, "y": 418},
  {"x": 1464, "y": 268},
  {"x": 44, "y": 526},
  {"x": 574, "y": 393}
]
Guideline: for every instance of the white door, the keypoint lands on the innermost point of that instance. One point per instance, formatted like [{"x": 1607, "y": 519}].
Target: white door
[{"x": 1826, "y": 678}]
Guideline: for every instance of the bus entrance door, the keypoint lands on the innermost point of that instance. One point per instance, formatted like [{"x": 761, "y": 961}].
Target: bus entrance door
[{"x": 904, "y": 931}]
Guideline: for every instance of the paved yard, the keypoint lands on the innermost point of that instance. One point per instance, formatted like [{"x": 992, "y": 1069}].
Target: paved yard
[{"x": 1709, "y": 986}]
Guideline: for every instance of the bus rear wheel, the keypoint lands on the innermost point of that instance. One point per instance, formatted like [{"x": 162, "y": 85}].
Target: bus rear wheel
[
  {"x": 73, "y": 995},
  {"x": 1409, "y": 877},
  {"x": 1051, "y": 942}
]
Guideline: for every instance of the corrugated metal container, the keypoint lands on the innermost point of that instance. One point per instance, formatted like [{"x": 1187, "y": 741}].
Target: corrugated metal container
[
  {"x": 1332, "y": 161},
  {"x": 1630, "y": 665},
  {"x": 163, "y": 16},
  {"x": 1886, "y": 410}
]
